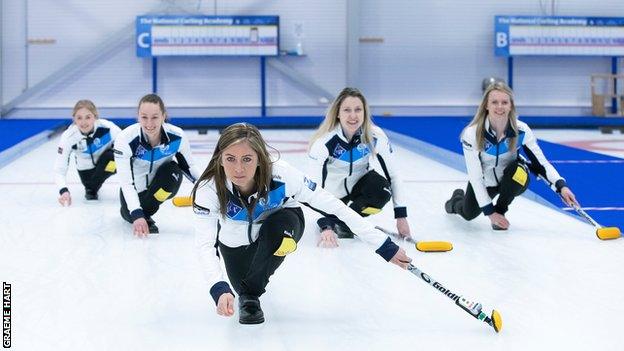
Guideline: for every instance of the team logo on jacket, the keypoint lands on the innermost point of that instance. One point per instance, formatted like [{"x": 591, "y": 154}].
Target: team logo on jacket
[
  {"x": 140, "y": 151},
  {"x": 81, "y": 145},
  {"x": 164, "y": 149},
  {"x": 487, "y": 145},
  {"x": 233, "y": 209},
  {"x": 338, "y": 151},
  {"x": 97, "y": 142},
  {"x": 363, "y": 149},
  {"x": 310, "y": 184}
]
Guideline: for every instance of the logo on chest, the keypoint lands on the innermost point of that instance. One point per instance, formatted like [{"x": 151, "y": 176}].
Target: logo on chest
[
  {"x": 82, "y": 145},
  {"x": 233, "y": 209},
  {"x": 165, "y": 150},
  {"x": 338, "y": 151},
  {"x": 140, "y": 151},
  {"x": 363, "y": 149}
]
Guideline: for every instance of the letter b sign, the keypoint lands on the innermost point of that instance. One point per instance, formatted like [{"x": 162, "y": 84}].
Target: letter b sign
[{"x": 501, "y": 39}]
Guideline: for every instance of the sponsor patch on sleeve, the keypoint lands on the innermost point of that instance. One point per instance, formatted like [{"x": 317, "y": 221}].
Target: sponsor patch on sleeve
[
  {"x": 199, "y": 210},
  {"x": 117, "y": 152},
  {"x": 309, "y": 183},
  {"x": 60, "y": 150},
  {"x": 466, "y": 144}
]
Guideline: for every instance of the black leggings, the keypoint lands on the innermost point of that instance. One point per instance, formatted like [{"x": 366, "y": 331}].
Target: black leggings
[
  {"x": 92, "y": 179},
  {"x": 372, "y": 190},
  {"x": 508, "y": 189},
  {"x": 250, "y": 267},
  {"x": 167, "y": 180}
]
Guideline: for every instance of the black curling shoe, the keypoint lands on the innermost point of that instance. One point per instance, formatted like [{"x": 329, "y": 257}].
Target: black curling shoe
[
  {"x": 342, "y": 231},
  {"x": 458, "y": 194},
  {"x": 151, "y": 225},
  {"x": 249, "y": 311},
  {"x": 90, "y": 194}
]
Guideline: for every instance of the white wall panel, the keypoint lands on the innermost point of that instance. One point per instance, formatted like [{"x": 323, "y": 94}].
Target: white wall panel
[{"x": 434, "y": 54}]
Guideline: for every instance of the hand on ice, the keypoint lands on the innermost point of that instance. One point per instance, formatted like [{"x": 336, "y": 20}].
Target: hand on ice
[
  {"x": 328, "y": 239},
  {"x": 225, "y": 305},
  {"x": 499, "y": 220},
  {"x": 140, "y": 227},
  {"x": 65, "y": 199}
]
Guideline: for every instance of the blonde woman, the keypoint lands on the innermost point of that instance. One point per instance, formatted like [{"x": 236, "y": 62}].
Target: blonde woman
[
  {"x": 248, "y": 206},
  {"x": 492, "y": 143},
  {"x": 90, "y": 139},
  {"x": 341, "y": 154}
]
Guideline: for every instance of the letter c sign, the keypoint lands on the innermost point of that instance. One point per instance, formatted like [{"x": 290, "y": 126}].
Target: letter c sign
[{"x": 143, "y": 40}]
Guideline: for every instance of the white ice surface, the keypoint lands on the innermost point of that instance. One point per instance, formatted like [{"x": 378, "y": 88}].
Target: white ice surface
[{"x": 81, "y": 281}]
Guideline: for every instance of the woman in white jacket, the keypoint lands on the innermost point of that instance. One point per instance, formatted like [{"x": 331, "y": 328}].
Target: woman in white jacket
[
  {"x": 90, "y": 139},
  {"x": 342, "y": 152},
  {"x": 151, "y": 158},
  {"x": 492, "y": 144},
  {"x": 248, "y": 213}
]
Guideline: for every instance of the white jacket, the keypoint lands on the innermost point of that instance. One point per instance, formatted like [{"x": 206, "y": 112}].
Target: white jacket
[
  {"x": 137, "y": 161},
  {"x": 485, "y": 168},
  {"x": 87, "y": 149},
  {"x": 338, "y": 164},
  {"x": 288, "y": 188}
]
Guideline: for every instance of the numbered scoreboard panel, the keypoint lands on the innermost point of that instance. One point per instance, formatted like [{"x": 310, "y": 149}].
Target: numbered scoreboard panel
[
  {"x": 207, "y": 36},
  {"x": 565, "y": 36}
]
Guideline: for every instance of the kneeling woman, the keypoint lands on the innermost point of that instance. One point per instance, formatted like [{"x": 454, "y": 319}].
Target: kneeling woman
[
  {"x": 248, "y": 206},
  {"x": 492, "y": 143},
  {"x": 342, "y": 152},
  {"x": 90, "y": 139},
  {"x": 149, "y": 176}
]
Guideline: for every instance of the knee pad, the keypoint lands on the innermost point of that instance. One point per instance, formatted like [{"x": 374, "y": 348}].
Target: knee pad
[
  {"x": 161, "y": 195},
  {"x": 111, "y": 167},
  {"x": 287, "y": 246},
  {"x": 370, "y": 210},
  {"x": 521, "y": 175}
]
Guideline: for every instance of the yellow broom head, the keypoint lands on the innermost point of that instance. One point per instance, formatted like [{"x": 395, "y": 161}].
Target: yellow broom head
[
  {"x": 182, "y": 201},
  {"x": 608, "y": 233},
  {"x": 497, "y": 320},
  {"x": 434, "y": 246}
]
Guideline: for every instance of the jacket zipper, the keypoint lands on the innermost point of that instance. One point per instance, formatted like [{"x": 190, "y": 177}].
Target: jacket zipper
[
  {"x": 90, "y": 152},
  {"x": 150, "y": 169}
]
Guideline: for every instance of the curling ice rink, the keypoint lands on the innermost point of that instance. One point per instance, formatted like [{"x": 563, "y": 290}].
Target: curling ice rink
[{"x": 82, "y": 281}]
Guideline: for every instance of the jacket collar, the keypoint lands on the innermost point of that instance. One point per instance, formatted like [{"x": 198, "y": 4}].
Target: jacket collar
[
  {"x": 338, "y": 131},
  {"x": 164, "y": 137},
  {"x": 490, "y": 134}
]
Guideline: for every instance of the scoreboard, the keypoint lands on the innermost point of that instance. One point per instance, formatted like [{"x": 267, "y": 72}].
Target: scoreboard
[
  {"x": 565, "y": 36},
  {"x": 170, "y": 35}
]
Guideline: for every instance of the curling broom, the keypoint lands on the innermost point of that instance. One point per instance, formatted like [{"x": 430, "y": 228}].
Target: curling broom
[
  {"x": 603, "y": 233},
  {"x": 424, "y": 246}
]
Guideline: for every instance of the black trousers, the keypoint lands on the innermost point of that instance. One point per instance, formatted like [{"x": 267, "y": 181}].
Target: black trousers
[
  {"x": 250, "y": 267},
  {"x": 168, "y": 178},
  {"x": 92, "y": 179},
  {"x": 372, "y": 190},
  {"x": 507, "y": 190}
]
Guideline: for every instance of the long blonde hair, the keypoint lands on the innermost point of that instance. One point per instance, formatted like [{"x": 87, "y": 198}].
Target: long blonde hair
[
  {"x": 234, "y": 134},
  {"x": 331, "y": 117},
  {"x": 482, "y": 113}
]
